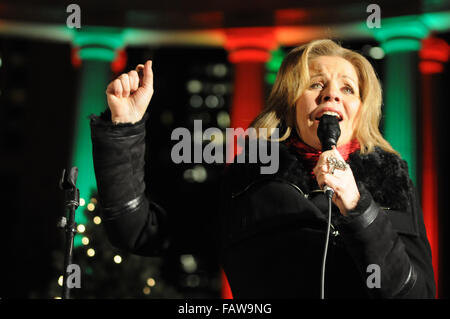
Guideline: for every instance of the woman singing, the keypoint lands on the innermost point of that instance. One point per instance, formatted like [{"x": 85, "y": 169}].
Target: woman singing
[{"x": 274, "y": 226}]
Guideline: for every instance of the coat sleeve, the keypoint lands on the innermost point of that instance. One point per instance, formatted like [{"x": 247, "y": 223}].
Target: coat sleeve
[
  {"x": 132, "y": 221},
  {"x": 404, "y": 260}
]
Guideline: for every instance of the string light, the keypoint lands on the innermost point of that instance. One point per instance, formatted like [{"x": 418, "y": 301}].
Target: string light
[
  {"x": 146, "y": 291},
  {"x": 97, "y": 220},
  {"x": 223, "y": 119},
  {"x": 217, "y": 139},
  {"x": 212, "y": 101},
  {"x": 189, "y": 263},
  {"x": 90, "y": 252},
  {"x": 85, "y": 240},
  {"x": 60, "y": 280},
  {"x": 194, "y": 86},
  {"x": 196, "y": 101},
  {"x": 90, "y": 207},
  {"x": 81, "y": 228},
  {"x": 82, "y": 202},
  {"x": 94, "y": 200},
  {"x": 117, "y": 259},
  {"x": 151, "y": 282},
  {"x": 199, "y": 173},
  {"x": 220, "y": 89},
  {"x": 376, "y": 53},
  {"x": 220, "y": 70}
]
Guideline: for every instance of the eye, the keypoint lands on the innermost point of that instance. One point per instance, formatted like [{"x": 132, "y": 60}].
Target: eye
[
  {"x": 316, "y": 85},
  {"x": 348, "y": 90}
]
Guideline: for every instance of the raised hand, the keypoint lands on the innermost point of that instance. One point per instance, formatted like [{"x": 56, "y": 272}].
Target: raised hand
[{"x": 129, "y": 94}]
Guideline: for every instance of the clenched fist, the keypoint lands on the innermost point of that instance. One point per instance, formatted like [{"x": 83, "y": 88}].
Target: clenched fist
[{"x": 129, "y": 94}]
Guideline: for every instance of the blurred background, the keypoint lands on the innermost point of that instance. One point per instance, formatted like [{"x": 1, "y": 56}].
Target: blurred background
[{"x": 212, "y": 60}]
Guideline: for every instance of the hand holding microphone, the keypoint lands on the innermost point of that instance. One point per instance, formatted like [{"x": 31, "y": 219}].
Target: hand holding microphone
[
  {"x": 331, "y": 171},
  {"x": 328, "y": 133}
]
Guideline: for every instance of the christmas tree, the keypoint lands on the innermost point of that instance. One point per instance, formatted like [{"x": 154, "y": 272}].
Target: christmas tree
[{"x": 111, "y": 273}]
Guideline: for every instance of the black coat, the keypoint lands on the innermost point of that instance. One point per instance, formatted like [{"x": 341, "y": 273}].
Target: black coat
[{"x": 273, "y": 227}]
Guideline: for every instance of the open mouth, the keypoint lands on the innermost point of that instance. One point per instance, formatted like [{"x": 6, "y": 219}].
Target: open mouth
[{"x": 329, "y": 113}]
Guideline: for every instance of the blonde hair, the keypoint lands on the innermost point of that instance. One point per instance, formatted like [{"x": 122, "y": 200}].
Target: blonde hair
[{"x": 292, "y": 80}]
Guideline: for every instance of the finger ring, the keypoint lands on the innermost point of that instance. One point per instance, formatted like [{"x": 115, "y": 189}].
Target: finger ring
[{"x": 334, "y": 163}]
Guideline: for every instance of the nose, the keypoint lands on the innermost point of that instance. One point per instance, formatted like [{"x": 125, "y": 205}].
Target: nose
[
  {"x": 330, "y": 94},
  {"x": 331, "y": 98}
]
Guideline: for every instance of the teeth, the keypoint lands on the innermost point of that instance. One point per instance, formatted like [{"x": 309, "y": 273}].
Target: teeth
[{"x": 332, "y": 113}]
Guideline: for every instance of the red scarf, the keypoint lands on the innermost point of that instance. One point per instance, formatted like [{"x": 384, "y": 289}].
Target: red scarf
[{"x": 311, "y": 155}]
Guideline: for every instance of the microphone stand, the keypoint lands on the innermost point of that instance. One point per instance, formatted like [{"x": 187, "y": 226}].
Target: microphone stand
[{"x": 71, "y": 203}]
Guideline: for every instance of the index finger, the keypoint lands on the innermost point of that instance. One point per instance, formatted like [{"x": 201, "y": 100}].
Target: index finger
[
  {"x": 337, "y": 154},
  {"x": 323, "y": 157},
  {"x": 140, "y": 70}
]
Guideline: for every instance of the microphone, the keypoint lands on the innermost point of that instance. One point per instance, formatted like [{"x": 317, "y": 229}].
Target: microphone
[{"x": 328, "y": 133}]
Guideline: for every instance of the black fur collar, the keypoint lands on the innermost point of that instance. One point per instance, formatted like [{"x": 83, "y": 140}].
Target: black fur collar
[{"x": 383, "y": 174}]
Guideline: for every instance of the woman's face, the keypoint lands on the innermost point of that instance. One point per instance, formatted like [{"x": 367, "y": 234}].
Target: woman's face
[{"x": 333, "y": 87}]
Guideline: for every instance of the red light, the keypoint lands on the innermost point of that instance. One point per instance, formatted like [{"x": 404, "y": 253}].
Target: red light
[
  {"x": 289, "y": 16},
  {"x": 120, "y": 61},
  {"x": 430, "y": 67},
  {"x": 75, "y": 57},
  {"x": 429, "y": 176},
  {"x": 226, "y": 290},
  {"x": 250, "y": 38},
  {"x": 434, "y": 53},
  {"x": 248, "y": 55},
  {"x": 249, "y": 49}
]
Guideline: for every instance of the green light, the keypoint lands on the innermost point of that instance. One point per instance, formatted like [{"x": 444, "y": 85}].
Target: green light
[
  {"x": 438, "y": 21},
  {"x": 77, "y": 240},
  {"x": 399, "y": 38},
  {"x": 103, "y": 54},
  {"x": 406, "y": 26},
  {"x": 88, "y": 271},
  {"x": 133, "y": 36},
  {"x": 400, "y": 45},
  {"x": 400, "y": 110},
  {"x": 94, "y": 79},
  {"x": 272, "y": 66},
  {"x": 270, "y": 78},
  {"x": 401, "y": 34},
  {"x": 98, "y": 43},
  {"x": 102, "y": 36},
  {"x": 97, "y": 48},
  {"x": 276, "y": 58}
]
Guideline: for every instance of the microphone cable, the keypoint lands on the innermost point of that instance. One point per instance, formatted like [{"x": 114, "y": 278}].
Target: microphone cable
[
  {"x": 328, "y": 133},
  {"x": 329, "y": 193}
]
